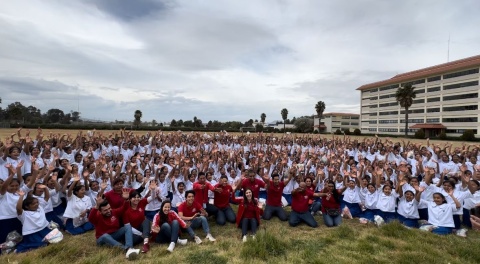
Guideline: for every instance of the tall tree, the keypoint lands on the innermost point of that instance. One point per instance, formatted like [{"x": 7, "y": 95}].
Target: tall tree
[
  {"x": 75, "y": 116},
  {"x": 320, "y": 108},
  {"x": 284, "y": 114},
  {"x": 262, "y": 117},
  {"x": 405, "y": 96},
  {"x": 138, "y": 118},
  {"x": 173, "y": 123},
  {"x": 194, "y": 121},
  {"x": 55, "y": 115}
]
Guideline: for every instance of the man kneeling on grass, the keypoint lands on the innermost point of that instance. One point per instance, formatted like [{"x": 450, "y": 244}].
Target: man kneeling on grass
[
  {"x": 108, "y": 230},
  {"x": 300, "y": 207}
]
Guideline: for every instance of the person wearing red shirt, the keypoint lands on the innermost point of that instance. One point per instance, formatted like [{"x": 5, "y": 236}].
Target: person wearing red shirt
[
  {"x": 252, "y": 183},
  {"x": 300, "y": 208},
  {"x": 249, "y": 213},
  {"x": 108, "y": 230},
  {"x": 201, "y": 188},
  {"x": 166, "y": 226},
  {"x": 194, "y": 213},
  {"x": 221, "y": 200},
  {"x": 114, "y": 197},
  {"x": 331, "y": 205},
  {"x": 274, "y": 197}
]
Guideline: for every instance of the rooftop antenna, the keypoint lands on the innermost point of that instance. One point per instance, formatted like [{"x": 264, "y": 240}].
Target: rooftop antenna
[{"x": 448, "y": 48}]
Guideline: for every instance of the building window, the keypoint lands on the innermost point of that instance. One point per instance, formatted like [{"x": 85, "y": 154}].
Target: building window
[
  {"x": 388, "y": 104},
  {"x": 412, "y": 120},
  {"x": 372, "y": 129},
  {"x": 433, "y": 110},
  {"x": 388, "y": 87},
  {"x": 354, "y": 117},
  {"x": 434, "y": 99},
  {"x": 373, "y": 106},
  {"x": 409, "y": 130},
  {"x": 460, "y": 120},
  {"x": 354, "y": 124},
  {"x": 460, "y": 96},
  {"x": 386, "y": 96},
  {"x": 364, "y": 128},
  {"x": 414, "y": 82},
  {"x": 387, "y": 121},
  {"x": 433, "y": 79},
  {"x": 345, "y": 123},
  {"x": 388, "y": 113},
  {"x": 460, "y": 73},
  {"x": 459, "y": 85},
  {"x": 388, "y": 129},
  {"x": 460, "y": 108},
  {"x": 414, "y": 111},
  {"x": 459, "y": 131},
  {"x": 433, "y": 89},
  {"x": 372, "y": 114},
  {"x": 433, "y": 120},
  {"x": 373, "y": 90},
  {"x": 420, "y": 91},
  {"x": 419, "y": 101},
  {"x": 373, "y": 98},
  {"x": 372, "y": 121}
]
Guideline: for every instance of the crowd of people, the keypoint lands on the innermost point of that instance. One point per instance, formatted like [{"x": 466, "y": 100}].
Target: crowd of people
[{"x": 151, "y": 188}]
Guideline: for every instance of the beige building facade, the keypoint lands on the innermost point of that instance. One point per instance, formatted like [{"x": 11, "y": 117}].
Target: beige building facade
[
  {"x": 447, "y": 100},
  {"x": 332, "y": 121}
]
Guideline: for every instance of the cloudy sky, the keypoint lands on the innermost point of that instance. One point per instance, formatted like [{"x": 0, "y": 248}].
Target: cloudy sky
[{"x": 219, "y": 60}]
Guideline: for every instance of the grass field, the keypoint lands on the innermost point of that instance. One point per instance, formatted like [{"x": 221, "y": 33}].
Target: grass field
[{"x": 276, "y": 242}]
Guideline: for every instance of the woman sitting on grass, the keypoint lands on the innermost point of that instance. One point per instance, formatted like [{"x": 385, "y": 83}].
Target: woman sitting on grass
[
  {"x": 248, "y": 214},
  {"x": 78, "y": 207},
  {"x": 440, "y": 213},
  {"x": 331, "y": 205},
  {"x": 166, "y": 227}
]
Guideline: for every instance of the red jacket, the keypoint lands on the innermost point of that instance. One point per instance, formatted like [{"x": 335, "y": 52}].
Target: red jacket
[
  {"x": 171, "y": 217},
  {"x": 241, "y": 210}
]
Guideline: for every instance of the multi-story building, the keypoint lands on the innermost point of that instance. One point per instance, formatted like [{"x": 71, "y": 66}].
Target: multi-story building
[
  {"x": 446, "y": 100},
  {"x": 333, "y": 121}
]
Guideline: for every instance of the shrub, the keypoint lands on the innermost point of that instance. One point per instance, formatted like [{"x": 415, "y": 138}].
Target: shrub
[
  {"x": 357, "y": 132},
  {"x": 347, "y": 131},
  {"x": 315, "y": 131},
  {"x": 420, "y": 134},
  {"x": 442, "y": 136},
  {"x": 468, "y": 135},
  {"x": 338, "y": 132}
]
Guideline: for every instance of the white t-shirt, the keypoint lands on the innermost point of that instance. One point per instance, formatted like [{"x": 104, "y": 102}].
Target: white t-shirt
[
  {"x": 408, "y": 209},
  {"x": 76, "y": 205},
  {"x": 387, "y": 203},
  {"x": 371, "y": 200},
  {"x": 8, "y": 206},
  {"x": 440, "y": 215},
  {"x": 352, "y": 195},
  {"x": 33, "y": 221}
]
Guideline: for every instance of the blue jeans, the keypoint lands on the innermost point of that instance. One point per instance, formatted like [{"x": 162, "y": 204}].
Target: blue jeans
[
  {"x": 200, "y": 221},
  {"x": 408, "y": 221},
  {"x": 315, "y": 207},
  {"x": 423, "y": 213},
  {"x": 457, "y": 221},
  {"x": 332, "y": 220},
  {"x": 122, "y": 234},
  {"x": 441, "y": 230},
  {"x": 168, "y": 233},
  {"x": 354, "y": 208},
  {"x": 274, "y": 210},
  {"x": 288, "y": 197},
  {"x": 466, "y": 218},
  {"x": 387, "y": 216},
  {"x": 252, "y": 222},
  {"x": 77, "y": 230},
  {"x": 306, "y": 217},
  {"x": 144, "y": 227},
  {"x": 370, "y": 214},
  {"x": 150, "y": 214},
  {"x": 224, "y": 215}
]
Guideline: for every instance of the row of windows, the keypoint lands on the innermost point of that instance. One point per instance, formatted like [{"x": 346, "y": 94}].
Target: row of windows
[
  {"x": 388, "y": 104},
  {"x": 388, "y": 87},
  {"x": 433, "y": 89},
  {"x": 420, "y": 91},
  {"x": 387, "y": 121},
  {"x": 460, "y": 96},
  {"x": 460, "y": 73},
  {"x": 409, "y": 130},
  {"x": 413, "y": 120},
  {"x": 414, "y": 82},
  {"x": 433, "y": 110},
  {"x": 413, "y": 111},
  {"x": 434, "y": 99},
  {"x": 372, "y": 129},
  {"x": 460, "y": 85},
  {"x": 433, "y": 79},
  {"x": 458, "y": 131},
  {"x": 460, "y": 120},
  {"x": 419, "y": 101},
  {"x": 388, "y": 113},
  {"x": 386, "y": 96},
  {"x": 388, "y": 129},
  {"x": 460, "y": 108},
  {"x": 372, "y": 121},
  {"x": 349, "y": 117},
  {"x": 433, "y": 120}
]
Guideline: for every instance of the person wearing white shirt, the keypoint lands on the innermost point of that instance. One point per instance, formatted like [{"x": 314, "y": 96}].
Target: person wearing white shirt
[
  {"x": 440, "y": 213},
  {"x": 351, "y": 196},
  {"x": 408, "y": 207},
  {"x": 386, "y": 203},
  {"x": 35, "y": 224},
  {"x": 78, "y": 207},
  {"x": 370, "y": 203}
]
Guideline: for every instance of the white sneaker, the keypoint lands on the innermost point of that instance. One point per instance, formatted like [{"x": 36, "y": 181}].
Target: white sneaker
[
  {"x": 462, "y": 232},
  {"x": 211, "y": 238},
  {"x": 379, "y": 220},
  {"x": 182, "y": 242},
  {"x": 244, "y": 239},
  {"x": 171, "y": 247},
  {"x": 198, "y": 240},
  {"x": 132, "y": 253},
  {"x": 253, "y": 237}
]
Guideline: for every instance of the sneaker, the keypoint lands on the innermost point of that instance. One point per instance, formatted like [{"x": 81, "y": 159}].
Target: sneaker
[
  {"x": 244, "y": 239},
  {"x": 253, "y": 237},
  {"x": 171, "y": 247},
  {"x": 182, "y": 242},
  {"x": 379, "y": 220},
  {"x": 198, "y": 240},
  {"x": 132, "y": 253},
  {"x": 427, "y": 227},
  {"x": 462, "y": 232},
  {"x": 363, "y": 220},
  {"x": 211, "y": 238},
  {"x": 145, "y": 248}
]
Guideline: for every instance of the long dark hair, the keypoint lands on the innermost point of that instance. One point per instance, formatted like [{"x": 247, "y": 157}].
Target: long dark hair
[
  {"x": 163, "y": 216},
  {"x": 245, "y": 200},
  {"x": 335, "y": 193}
]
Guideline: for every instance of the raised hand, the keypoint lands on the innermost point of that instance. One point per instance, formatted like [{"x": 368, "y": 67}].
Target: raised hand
[{"x": 125, "y": 193}]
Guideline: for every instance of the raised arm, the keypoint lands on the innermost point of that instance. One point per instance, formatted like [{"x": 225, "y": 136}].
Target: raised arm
[{"x": 20, "y": 202}]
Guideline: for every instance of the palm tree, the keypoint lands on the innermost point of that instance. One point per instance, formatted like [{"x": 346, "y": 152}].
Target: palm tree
[
  {"x": 194, "y": 121},
  {"x": 319, "y": 108},
  {"x": 405, "y": 96},
  {"x": 138, "y": 117},
  {"x": 262, "y": 118},
  {"x": 284, "y": 114}
]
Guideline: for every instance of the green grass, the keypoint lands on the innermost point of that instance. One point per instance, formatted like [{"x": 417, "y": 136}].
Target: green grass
[{"x": 276, "y": 242}]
